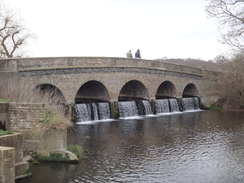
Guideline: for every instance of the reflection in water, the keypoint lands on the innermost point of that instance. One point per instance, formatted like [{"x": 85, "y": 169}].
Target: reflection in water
[{"x": 205, "y": 146}]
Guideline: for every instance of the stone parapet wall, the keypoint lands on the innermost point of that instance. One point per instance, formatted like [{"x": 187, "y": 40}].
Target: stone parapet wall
[
  {"x": 25, "y": 116},
  {"x": 8, "y": 65},
  {"x": 81, "y": 62}
]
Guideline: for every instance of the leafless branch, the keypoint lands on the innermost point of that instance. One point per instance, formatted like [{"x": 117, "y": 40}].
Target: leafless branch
[
  {"x": 13, "y": 34},
  {"x": 230, "y": 16}
]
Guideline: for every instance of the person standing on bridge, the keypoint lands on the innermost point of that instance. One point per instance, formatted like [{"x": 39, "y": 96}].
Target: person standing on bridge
[
  {"x": 129, "y": 54},
  {"x": 138, "y": 54}
]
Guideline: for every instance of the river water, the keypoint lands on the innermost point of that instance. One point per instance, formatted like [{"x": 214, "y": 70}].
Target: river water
[{"x": 203, "y": 146}]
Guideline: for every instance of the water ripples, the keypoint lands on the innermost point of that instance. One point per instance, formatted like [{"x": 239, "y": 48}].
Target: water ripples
[{"x": 193, "y": 147}]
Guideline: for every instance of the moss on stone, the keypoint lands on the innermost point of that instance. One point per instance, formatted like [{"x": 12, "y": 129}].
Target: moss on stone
[
  {"x": 4, "y": 101},
  {"x": 53, "y": 157},
  {"x": 76, "y": 150},
  {"x": 215, "y": 107},
  {"x": 2, "y": 132}
]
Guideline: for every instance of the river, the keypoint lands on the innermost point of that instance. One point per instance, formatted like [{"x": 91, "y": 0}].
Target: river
[{"x": 203, "y": 146}]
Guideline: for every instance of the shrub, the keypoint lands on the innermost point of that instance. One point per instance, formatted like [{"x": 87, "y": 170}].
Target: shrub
[
  {"x": 53, "y": 157},
  {"x": 54, "y": 119}
]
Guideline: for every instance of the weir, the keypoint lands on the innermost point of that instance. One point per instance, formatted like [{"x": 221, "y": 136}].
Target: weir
[
  {"x": 174, "y": 106},
  {"x": 102, "y": 110},
  {"x": 134, "y": 108},
  {"x": 167, "y": 105},
  {"x": 127, "y": 109},
  {"x": 92, "y": 111},
  {"x": 190, "y": 103},
  {"x": 162, "y": 106}
]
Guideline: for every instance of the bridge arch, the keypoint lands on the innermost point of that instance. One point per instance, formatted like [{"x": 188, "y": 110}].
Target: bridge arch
[
  {"x": 190, "y": 90},
  {"x": 50, "y": 93},
  {"x": 133, "y": 90},
  {"x": 166, "y": 90},
  {"x": 92, "y": 91}
]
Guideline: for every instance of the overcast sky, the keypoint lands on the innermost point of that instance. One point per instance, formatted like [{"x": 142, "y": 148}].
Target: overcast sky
[{"x": 159, "y": 28}]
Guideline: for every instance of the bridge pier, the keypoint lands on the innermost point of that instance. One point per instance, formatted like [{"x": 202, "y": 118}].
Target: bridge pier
[{"x": 114, "y": 110}]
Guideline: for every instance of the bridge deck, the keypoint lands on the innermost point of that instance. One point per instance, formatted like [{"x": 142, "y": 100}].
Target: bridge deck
[{"x": 50, "y": 63}]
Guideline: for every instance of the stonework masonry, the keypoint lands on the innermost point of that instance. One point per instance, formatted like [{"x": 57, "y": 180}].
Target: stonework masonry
[
  {"x": 69, "y": 74},
  {"x": 25, "y": 116},
  {"x": 7, "y": 165},
  {"x": 16, "y": 167},
  {"x": 27, "y": 119}
]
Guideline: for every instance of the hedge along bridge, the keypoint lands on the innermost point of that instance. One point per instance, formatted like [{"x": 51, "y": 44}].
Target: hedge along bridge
[{"x": 93, "y": 79}]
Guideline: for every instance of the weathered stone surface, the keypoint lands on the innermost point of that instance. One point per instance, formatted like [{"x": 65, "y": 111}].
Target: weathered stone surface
[
  {"x": 7, "y": 165},
  {"x": 16, "y": 141},
  {"x": 27, "y": 119},
  {"x": 25, "y": 116},
  {"x": 22, "y": 170},
  {"x": 69, "y": 74},
  {"x": 52, "y": 140}
]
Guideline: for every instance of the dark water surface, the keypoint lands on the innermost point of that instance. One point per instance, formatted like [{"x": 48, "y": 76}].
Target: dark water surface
[{"x": 206, "y": 146}]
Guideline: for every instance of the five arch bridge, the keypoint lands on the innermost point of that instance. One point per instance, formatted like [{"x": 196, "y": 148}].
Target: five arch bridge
[{"x": 84, "y": 79}]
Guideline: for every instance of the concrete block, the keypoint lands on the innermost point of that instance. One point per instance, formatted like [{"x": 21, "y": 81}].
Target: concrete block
[{"x": 7, "y": 165}]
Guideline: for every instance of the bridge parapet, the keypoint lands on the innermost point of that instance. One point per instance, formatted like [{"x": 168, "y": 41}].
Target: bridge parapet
[
  {"x": 27, "y": 64},
  {"x": 8, "y": 65}
]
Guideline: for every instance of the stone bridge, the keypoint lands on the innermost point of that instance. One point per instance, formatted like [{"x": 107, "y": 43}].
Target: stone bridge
[{"x": 80, "y": 79}]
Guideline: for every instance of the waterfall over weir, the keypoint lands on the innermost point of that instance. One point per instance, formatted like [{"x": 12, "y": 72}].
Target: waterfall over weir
[
  {"x": 101, "y": 111},
  {"x": 166, "y": 105},
  {"x": 92, "y": 111},
  {"x": 190, "y": 103},
  {"x": 134, "y": 108},
  {"x": 174, "y": 106},
  {"x": 127, "y": 109},
  {"x": 162, "y": 106}
]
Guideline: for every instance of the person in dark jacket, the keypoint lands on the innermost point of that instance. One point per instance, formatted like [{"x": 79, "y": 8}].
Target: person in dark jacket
[{"x": 138, "y": 54}]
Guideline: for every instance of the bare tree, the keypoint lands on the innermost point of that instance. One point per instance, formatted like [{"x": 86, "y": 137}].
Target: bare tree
[
  {"x": 230, "y": 16},
  {"x": 13, "y": 34},
  {"x": 232, "y": 82}
]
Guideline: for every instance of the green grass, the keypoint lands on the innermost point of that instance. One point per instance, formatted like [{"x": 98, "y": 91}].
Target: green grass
[
  {"x": 2, "y": 132},
  {"x": 49, "y": 115},
  {"x": 4, "y": 101}
]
